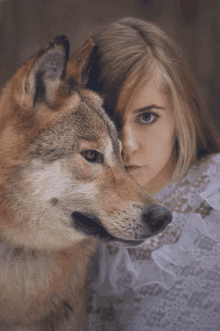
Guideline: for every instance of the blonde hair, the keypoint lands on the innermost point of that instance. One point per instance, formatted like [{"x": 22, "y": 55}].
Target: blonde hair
[{"x": 133, "y": 50}]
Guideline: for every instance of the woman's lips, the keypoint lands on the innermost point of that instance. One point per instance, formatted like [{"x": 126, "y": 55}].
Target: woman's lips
[
  {"x": 140, "y": 169},
  {"x": 132, "y": 168}
]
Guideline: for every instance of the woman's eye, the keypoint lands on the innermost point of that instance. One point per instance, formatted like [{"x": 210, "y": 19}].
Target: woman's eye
[{"x": 148, "y": 118}]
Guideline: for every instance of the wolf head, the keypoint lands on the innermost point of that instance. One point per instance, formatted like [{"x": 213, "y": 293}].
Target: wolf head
[{"x": 62, "y": 176}]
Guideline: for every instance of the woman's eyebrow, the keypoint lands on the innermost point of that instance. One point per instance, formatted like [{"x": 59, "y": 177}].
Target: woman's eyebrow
[{"x": 147, "y": 108}]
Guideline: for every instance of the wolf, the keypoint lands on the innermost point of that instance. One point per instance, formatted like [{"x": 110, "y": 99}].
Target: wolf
[{"x": 63, "y": 187}]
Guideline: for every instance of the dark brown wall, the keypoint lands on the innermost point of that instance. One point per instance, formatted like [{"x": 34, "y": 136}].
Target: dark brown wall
[{"x": 25, "y": 24}]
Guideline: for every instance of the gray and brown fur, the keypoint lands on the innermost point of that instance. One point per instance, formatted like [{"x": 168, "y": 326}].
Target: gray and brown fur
[{"x": 56, "y": 198}]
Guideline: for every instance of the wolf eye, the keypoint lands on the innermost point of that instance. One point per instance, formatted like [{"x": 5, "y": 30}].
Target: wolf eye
[{"x": 91, "y": 155}]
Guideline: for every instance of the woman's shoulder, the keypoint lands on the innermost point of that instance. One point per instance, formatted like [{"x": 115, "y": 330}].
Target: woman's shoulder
[
  {"x": 202, "y": 173},
  {"x": 195, "y": 200},
  {"x": 210, "y": 192},
  {"x": 210, "y": 163},
  {"x": 198, "y": 192},
  {"x": 204, "y": 177},
  {"x": 207, "y": 166}
]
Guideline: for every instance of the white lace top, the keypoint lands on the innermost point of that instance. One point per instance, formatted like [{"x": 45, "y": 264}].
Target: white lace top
[{"x": 172, "y": 281}]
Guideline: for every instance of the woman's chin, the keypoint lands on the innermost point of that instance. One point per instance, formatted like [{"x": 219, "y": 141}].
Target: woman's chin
[{"x": 141, "y": 175}]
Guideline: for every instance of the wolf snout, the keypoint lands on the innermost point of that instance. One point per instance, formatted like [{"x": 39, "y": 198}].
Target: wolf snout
[{"x": 156, "y": 218}]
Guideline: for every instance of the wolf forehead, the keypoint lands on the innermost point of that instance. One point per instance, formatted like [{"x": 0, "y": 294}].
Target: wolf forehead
[{"x": 84, "y": 122}]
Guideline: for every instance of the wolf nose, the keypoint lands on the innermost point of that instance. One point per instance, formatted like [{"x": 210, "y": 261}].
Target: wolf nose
[{"x": 157, "y": 218}]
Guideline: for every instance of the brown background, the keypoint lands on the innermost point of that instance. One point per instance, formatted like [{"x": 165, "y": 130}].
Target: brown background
[{"x": 195, "y": 24}]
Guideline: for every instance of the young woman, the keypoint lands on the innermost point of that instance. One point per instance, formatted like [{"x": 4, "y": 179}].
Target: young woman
[{"x": 170, "y": 147}]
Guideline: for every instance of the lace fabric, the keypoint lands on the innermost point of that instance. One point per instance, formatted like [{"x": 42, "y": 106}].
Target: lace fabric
[{"x": 172, "y": 281}]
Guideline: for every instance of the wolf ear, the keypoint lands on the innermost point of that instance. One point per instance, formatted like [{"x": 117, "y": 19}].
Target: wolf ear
[
  {"x": 47, "y": 70},
  {"x": 81, "y": 61}
]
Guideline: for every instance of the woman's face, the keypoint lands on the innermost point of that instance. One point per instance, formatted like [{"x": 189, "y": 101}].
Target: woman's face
[{"x": 147, "y": 135}]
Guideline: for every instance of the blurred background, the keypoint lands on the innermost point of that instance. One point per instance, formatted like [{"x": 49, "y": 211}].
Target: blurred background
[{"x": 194, "y": 24}]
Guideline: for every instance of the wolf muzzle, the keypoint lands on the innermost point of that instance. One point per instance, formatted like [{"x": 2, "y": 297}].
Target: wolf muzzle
[{"x": 155, "y": 218}]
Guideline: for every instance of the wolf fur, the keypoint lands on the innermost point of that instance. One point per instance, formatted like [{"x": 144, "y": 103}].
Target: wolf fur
[{"x": 62, "y": 187}]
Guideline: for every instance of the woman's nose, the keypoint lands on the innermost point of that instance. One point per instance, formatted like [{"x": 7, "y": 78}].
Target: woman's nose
[{"x": 129, "y": 142}]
